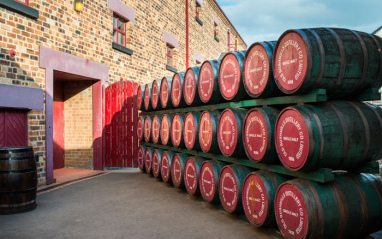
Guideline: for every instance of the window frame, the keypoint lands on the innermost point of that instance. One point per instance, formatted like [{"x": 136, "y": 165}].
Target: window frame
[
  {"x": 26, "y": 3},
  {"x": 119, "y": 31},
  {"x": 215, "y": 30},
  {"x": 171, "y": 55},
  {"x": 197, "y": 9}
]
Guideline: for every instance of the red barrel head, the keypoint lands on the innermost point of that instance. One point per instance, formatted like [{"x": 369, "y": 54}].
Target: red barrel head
[
  {"x": 229, "y": 76},
  {"x": 227, "y": 132},
  {"x": 148, "y": 160},
  {"x": 165, "y": 166},
  {"x": 207, "y": 182},
  {"x": 155, "y": 129},
  {"x": 228, "y": 190},
  {"x": 255, "y": 135},
  {"x": 141, "y": 158},
  {"x": 176, "y": 90}
]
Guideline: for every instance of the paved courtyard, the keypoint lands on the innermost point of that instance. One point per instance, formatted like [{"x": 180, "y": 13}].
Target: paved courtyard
[{"x": 126, "y": 205}]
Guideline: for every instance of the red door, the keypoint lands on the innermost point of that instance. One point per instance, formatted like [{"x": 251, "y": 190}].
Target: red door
[
  {"x": 58, "y": 126},
  {"x": 13, "y": 128}
]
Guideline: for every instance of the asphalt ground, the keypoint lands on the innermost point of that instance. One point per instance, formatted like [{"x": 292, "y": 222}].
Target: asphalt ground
[{"x": 126, "y": 205}]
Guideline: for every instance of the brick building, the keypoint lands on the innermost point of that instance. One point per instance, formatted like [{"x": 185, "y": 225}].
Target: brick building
[{"x": 55, "y": 62}]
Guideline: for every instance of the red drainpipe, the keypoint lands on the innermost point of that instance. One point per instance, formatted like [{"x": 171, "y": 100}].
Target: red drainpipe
[{"x": 187, "y": 34}]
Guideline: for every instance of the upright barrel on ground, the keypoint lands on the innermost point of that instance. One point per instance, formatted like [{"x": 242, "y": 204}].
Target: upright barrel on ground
[
  {"x": 229, "y": 132},
  {"x": 348, "y": 207},
  {"x": 148, "y": 159},
  {"x": 141, "y": 157},
  {"x": 147, "y": 128},
  {"x": 177, "y": 99},
  {"x": 333, "y": 134},
  {"x": 230, "y": 187},
  {"x": 191, "y": 130},
  {"x": 257, "y": 70},
  {"x": 140, "y": 127},
  {"x": 165, "y": 167},
  {"x": 344, "y": 62},
  {"x": 165, "y": 93},
  {"x": 208, "y": 84},
  {"x": 191, "y": 174},
  {"x": 155, "y": 129},
  {"x": 258, "y": 135},
  {"x": 155, "y": 96},
  {"x": 208, "y": 131},
  {"x": 209, "y": 180},
  {"x": 147, "y": 97},
  {"x": 190, "y": 86},
  {"x": 18, "y": 180},
  {"x": 177, "y": 169},
  {"x": 165, "y": 127},
  {"x": 231, "y": 76},
  {"x": 157, "y": 160},
  {"x": 177, "y": 125},
  {"x": 140, "y": 97},
  {"x": 259, "y": 190}
]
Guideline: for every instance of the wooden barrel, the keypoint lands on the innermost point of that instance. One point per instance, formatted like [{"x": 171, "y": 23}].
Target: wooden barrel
[
  {"x": 177, "y": 169},
  {"x": 257, "y": 70},
  {"x": 231, "y": 181},
  {"x": 177, "y": 99},
  {"x": 209, "y": 180},
  {"x": 147, "y": 97},
  {"x": 348, "y": 207},
  {"x": 333, "y": 134},
  {"x": 208, "y": 84},
  {"x": 147, "y": 129},
  {"x": 165, "y": 167},
  {"x": 140, "y": 127},
  {"x": 177, "y": 125},
  {"x": 141, "y": 157},
  {"x": 155, "y": 129},
  {"x": 165, "y": 93},
  {"x": 190, "y": 87},
  {"x": 191, "y": 130},
  {"x": 231, "y": 76},
  {"x": 259, "y": 190},
  {"x": 148, "y": 159},
  {"x": 258, "y": 135},
  {"x": 342, "y": 61},
  {"x": 157, "y": 159},
  {"x": 229, "y": 132},
  {"x": 18, "y": 180},
  {"x": 208, "y": 131},
  {"x": 165, "y": 127},
  {"x": 140, "y": 97},
  {"x": 155, "y": 96},
  {"x": 191, "y": 174}
]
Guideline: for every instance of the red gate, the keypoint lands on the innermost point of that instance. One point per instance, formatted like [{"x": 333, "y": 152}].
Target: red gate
[{"x": 121, "y": 117}]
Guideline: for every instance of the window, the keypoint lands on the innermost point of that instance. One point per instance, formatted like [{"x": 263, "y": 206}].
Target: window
[
  {"x": 119, "y": 31},
  {"x": 229, "y": 40},
  {"x": 236, "y": 43},
  {"x": 197, "y": 10},
  {"x": 215, "y": 30},
  {"x": 25, "y": 2},
  {"x": 169, "y": 55}
]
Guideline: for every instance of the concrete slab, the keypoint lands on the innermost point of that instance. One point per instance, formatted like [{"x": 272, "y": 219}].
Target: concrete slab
[{"x": 126, "y": 205}]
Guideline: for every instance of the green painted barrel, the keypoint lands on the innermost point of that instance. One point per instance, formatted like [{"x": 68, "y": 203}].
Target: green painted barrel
[
  {"x": 177, "y": 169},
  {"x": 177, "y": 125},
  {"x": 191, "y": 130},
  {"x": 155, "y": 129},
  {"x": 18, "y": 180},
  {"x": 258, "y": 135},
  {"x": 165, "y": 127},
  {"x": 190, "y": 87},
  {"x": 155, "y": 92},
  {"x": 140, "y": 127},
  {"x": 191, "y": 174},
  {"x": 147, "y": 128},
  {"x": 177, "y": 82},
  {"x": 333, "y": 134},
  {"x": 140, "y": 97},
  {"x": 209, "y": 180},
  {"x": 259, "y": 190},
  {"x": 208, "y": 84},
  {"x": 257, "y": 70},
  {"x": 165, "y": 167},
  {"x": 147, "y": 98},
  {"x": 230, "y": 187},
  {"x": 348, "y": 207},
  {"x": 157, "y": 161},
  {"x": 208, "y": 131},
  {"x": 165, "y": 93},
  {"x": 148, "y": 159},
  {"x": 231, "y": 76},
  {"x": 342, "y": 61}
]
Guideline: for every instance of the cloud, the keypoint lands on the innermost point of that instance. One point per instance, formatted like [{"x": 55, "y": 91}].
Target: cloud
[{"x": 262, "y": 20}]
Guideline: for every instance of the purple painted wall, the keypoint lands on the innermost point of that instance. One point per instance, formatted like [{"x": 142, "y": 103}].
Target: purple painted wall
[{"x": 12, "y": 96}]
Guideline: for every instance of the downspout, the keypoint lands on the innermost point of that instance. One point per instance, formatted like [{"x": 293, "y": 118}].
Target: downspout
[{"x": 187, "y": 50}]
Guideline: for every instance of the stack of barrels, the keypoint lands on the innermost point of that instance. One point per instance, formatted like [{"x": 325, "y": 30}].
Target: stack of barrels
[{"x": 340, "y": 134}]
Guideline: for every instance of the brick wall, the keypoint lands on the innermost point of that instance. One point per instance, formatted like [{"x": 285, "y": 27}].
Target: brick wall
[
  {"x": 88, "y": 34},
  {"x": 78, "y": 118}
]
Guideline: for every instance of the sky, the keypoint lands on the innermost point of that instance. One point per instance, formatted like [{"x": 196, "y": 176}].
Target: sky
[{"x": 266, "y": 20}]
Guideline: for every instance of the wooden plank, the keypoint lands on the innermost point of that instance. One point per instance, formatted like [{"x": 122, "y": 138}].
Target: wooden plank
[
  {"x": 129, "y": 124},
  {"x": 321, "y": 175},
  {"x": 318, "y": 95},
  {"x": 134, "y": 137},
  {"x": 16, "y": 128},
  {"x": 368, "y": 95},
  {"x": 2, "y": 128},
  {"x": 114, "y": 130}
]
